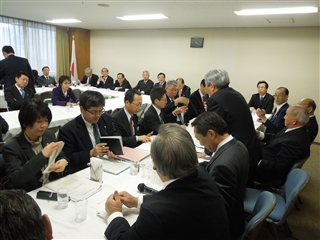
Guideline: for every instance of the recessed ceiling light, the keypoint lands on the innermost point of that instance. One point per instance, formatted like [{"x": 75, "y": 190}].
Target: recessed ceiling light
[
  {"x": 71, "y": 20},
  {"x": 271, "y": 11},
  {"x": 143, "y": 17},
  {"x": 103, "y": 5}
]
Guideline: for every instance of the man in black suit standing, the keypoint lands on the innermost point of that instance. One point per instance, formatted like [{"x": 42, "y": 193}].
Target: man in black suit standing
[
  {"x": 145, "y": 85},
  {"x": 16, "y": 95},
  {"x": 262, "y": 99},
  {"x": 153, "y": 117},
  {"x": 312, "y": 124},
  {"x": 11, "y": 65},
  {"x": 232, "y": 107},
  {"x": 46, "y": 80},
  {"x": 198, "y": 100},
  {"x": 183, "y": 90},
  {"x": 82, "y": 134},
  {"x": 105, "y": 81},
  {"x": 161, "y": 80},
  {"x": 89, "y": 79},
  {"x": 126, "y": 120},
  {"x": 229, "y": 165},
  {"x": 188, "y": 207},
  {"x": 284, "y": 149}
]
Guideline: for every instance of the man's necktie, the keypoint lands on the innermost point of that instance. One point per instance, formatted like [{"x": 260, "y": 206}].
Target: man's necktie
[
  {"x": 203, "y": 99},
  {"x": 23, "y": 93},
  {"x": 180, "y": 92},
  {"x": 273, "y": 114},
  {"x": 261, "y": 99},
  {"x": 96, "y": 133},
  {"x": 131, "y": 125},
  {"x": 88, "y": 80},
  {"x": 180, "y": 118},
  {"x": 161, "y": 120}
]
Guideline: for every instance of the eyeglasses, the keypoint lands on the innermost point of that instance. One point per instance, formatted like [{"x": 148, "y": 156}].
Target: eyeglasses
[
  {"x": 96, "y": 112},
  {"x": 137, "y": 104},
  {"x": 278, "y": 96}
]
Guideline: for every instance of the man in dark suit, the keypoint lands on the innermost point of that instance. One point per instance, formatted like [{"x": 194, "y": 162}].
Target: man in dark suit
[
  {"x": 89, "y": 79},
  {"x": 232, "y": 107},
  {"x": 11, "y": 65},
  {"x": 82, "y": 134},
  {"x": 145, "y": 85},
  {"x": 45, "y": 79},
  {"x": 16, "y": 95},
  {"x": 4, "y": 127},
  {"x": 126, "y": 120},
  {"x": 284, "y": 149},
  {"x": 189, "y": 206},
  {"x": 312, "y": 124},
  {"x": 175, "y": 110},
  {"x": 121, "y": 84},
  {"x": 262, "y": 99},
  {"x": 198, "y": 100},
  {"x": 161, "y": 80},
  {"x": 276, "y": 122},
  {"x": 153, "y": 117},
  {"x": 229, "y": 165},
  {"x": 105, "y": 81},
  {"x": 183, "y": 90}
]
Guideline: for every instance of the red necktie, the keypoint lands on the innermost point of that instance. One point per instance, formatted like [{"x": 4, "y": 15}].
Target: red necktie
[{"x": 131, "y": 125}]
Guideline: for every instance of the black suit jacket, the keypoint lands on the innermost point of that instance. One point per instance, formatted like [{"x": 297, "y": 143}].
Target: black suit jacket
[
  {"x": 14, "y": 98},
  {"x": 23, "y": 166},
  {"x": 77, "y": 140},
  {"x": 267, "y": 102},
  {"x": 4, "y": 127},
  {"x": 151, "y": 122},
  {"x": 122, "y": 124},
  {"x": 186, "y": 92},
  {"x": 145, "y": 87},
  {"x": 9, "y": 68},
  {"x": 42, "y": 81},
  {"x": 280, "y": 153},
  {"x": 125, "y": 85},
  {"x": 276, "y": 123},
  {"x": 312, "y": 127},
  {"x": 229, "y": 168},
  {"x": 196, "y": 106},
  {"x": 158, "y": 85},
  {"x": 108, "y": 83},
  {"x": 93, "y": 80},
  {"x": 232, "y": 107},
  {"x": 188, "y": 208}
]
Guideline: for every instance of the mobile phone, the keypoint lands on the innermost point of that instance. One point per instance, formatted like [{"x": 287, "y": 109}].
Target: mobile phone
[{"x": 47, "y": 195}]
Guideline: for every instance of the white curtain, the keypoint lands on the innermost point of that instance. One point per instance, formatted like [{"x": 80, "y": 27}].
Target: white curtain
[{"x": 31, "y": 40}]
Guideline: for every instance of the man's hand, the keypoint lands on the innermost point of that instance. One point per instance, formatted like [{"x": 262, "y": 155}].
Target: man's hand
[
  {"x": 48, "y": 150},
  {"x": 69, "y": 104},
  {"x": 181, "y": 109},
  {"x": 99, "y": 149},
  {"x": 257, "y": 133},
  {"x": 182, "y": 100},
  {"x": 113, "y": 203},
  {"x": 252, "y": 109},
  {"x": 59, "y": 166},
  {"x": 144, "y": 138},
  {"x": 205, "y": 106},
  {"x": 128, "y": 199},
  {"x": 261, "y": 113},
  {"x": 51, "y": 85},
  {"x": 149, "y": 134}
]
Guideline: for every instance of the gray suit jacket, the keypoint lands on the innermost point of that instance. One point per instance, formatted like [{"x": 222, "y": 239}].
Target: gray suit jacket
[{"x": 42, "y": 81}]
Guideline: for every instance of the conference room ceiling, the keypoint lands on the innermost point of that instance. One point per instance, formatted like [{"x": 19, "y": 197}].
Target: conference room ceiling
[{"x": 182, "y": 14}]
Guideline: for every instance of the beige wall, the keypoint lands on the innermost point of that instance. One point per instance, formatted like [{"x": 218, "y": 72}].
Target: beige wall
[{"x": 282, "y": 56}]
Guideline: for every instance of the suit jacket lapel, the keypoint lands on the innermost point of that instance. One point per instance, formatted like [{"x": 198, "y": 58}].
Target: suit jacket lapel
[
  {"x": 16, "y": 93},
  {"x": 83, "y": 133},
  {"x": 25, "y": 145}
]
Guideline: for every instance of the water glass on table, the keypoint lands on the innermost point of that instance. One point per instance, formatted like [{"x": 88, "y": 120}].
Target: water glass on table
[
  {"x": 81, "y": 210},
  {"x": 63, "y": 198}
]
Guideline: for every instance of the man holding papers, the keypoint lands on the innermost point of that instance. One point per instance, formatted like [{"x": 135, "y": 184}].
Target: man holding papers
[
  {"x": 82, "y": 134},
  {"x": 189, "y": 206},
  {"x": 126, "y": 120}
]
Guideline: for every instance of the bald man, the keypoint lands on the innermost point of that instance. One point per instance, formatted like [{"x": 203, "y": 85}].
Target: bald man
[{"x": 312, "y": 125}]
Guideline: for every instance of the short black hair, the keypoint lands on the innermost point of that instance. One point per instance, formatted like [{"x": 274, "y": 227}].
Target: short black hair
[
  {"x": 286, "y": 90},
  {"x": 210, "y": 120},
  {"x": 20, "y": 216},
  {"x": 91, "y": 98},
  {"x": 180, "y": 79},
  {"x": 161, "y": 74},
  {"x": 261, "y": 82},
  {"x": 129, "y": 96},
  {"x": 35, "y": 73},
  {"x": 31, "y": 110},
  {"x": 157, "y": 93},
  {"x": 63, "y": 78},
  {"x": 121, "y": 74},
  {"x": 203, "y": 83},
  {"x": 45, "y": 67},
  {"x": 20, "y": 73},
  {"x": 7, "y": 49}
]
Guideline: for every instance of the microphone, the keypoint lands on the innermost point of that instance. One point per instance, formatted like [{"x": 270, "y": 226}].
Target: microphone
[{"x": 145, "y": 189}]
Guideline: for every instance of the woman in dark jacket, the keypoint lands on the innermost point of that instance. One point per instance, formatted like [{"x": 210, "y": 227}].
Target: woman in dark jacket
[{"x": 62, "y": 94}]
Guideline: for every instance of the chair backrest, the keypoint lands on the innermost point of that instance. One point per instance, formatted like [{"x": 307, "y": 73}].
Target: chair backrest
[
  {"x": 77, "y": 92},
  {"x": 45, "y": 95},
  {"x": 54, "y": 129},
  {"x": 47, "y": 100},
  {"x": 263, "y": 207},
  {"x": 297, "y": 180},
  {"x": 300, "y": 163}
]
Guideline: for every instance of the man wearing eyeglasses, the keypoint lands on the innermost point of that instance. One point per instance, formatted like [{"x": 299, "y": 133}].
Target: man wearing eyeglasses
[
  {"x": 82, "y": 135},
  {"x": 126, "y": 120},
  {"x": 276, "y": 122}
]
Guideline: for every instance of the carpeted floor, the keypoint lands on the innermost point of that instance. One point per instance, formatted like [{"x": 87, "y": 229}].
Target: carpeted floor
[{"x": 304, "y": 223}]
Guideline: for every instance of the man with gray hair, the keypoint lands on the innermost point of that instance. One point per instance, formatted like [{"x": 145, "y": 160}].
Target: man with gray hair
[
  {"x": 189, "y": 206},
  {"x": 89, "y": 79},
  {"x": 232, "y": 107},
  {"x": 145, "y": 85},
  {"x": 312, "y": 125},
  {"x": 283, "y": 150}
]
